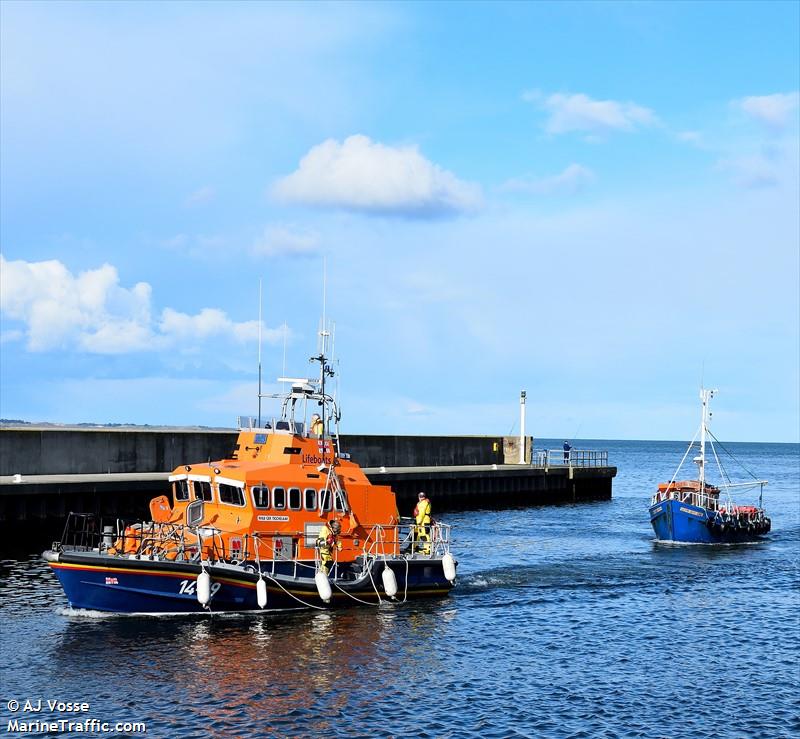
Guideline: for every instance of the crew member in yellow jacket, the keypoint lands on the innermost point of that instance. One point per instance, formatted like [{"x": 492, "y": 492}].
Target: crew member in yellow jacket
[
  {"x": 327, "y": 540},
  {"x": 422, "y": 517}
]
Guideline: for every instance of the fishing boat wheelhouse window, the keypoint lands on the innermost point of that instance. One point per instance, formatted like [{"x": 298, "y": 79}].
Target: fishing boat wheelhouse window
[
  {"x": 180, "y": 489},
  {"x": 278, "y": 499},
  {"x": 231, "y": 494},
  {"x": 202, "y": 490},
  {"x": 310, "y": 499},
  {"x": 260, "y": 496},
  {"x": 295, "y": 502}
]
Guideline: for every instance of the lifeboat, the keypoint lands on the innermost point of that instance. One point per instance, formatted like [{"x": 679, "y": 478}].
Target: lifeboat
[{"x": 286, "y": 521}]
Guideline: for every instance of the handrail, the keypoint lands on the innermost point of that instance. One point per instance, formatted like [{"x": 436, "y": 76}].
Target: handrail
[
  {"x": 691, "y": 497},
  {"x": 711, "y": 502},
  {"x": 178, "y": 542},
  {"x": 391, "y": 541},
  {"x": 572, "y": 458}
]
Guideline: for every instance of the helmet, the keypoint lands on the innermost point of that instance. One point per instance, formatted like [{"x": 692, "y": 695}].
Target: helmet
[
  {"x": 421, "y": 495},
  {"x": 336, "y": 527}
]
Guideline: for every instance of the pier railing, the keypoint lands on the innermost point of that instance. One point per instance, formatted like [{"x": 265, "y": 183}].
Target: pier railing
[{"x": 573, "y": 458}]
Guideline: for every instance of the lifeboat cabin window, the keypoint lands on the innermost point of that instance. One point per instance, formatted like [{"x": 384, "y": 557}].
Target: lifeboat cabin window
[
  {"x": 325, "y": 500},
  {"x": 338, "y": 502},
  {"x": 202, "y": 490},
  {"x": 231, "y": 494},
  {"x": 180, "y": 489},
  {"x": 294, "y": 499},
  {"x": 310, "y": 499},
  {"x": 261, "y": 497},
  {"x": 278, "y": 499}
]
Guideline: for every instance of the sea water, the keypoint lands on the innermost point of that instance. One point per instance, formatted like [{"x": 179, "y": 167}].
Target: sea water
[{"x": 567, "y": 621}]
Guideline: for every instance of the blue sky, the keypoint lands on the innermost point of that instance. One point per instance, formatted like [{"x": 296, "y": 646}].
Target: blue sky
[{"x": 596, "y": 202}]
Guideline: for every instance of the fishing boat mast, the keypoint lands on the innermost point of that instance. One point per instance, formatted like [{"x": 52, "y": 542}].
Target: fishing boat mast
[{"x": 700, "y": 461}]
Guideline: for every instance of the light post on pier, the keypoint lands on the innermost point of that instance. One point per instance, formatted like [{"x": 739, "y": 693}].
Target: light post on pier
[{"x": 522, "y": 397}]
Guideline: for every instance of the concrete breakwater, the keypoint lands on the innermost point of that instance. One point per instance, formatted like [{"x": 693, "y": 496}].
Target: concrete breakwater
[{"x": 46, "y": 472}]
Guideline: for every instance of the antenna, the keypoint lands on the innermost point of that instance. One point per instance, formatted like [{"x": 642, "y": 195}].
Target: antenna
[
  {"x": 324, "y": 292},
  {"x": 285, "y": 327},
  {"x": 325, "y": 369},
  {"x": 259, "y": 351}
]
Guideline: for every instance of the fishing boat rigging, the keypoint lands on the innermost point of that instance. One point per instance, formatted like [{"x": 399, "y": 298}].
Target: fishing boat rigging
[{"x": 699, "y": 512}]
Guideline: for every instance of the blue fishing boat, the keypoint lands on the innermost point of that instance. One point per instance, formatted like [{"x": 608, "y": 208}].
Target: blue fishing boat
[{"x": 699, "y": 512}]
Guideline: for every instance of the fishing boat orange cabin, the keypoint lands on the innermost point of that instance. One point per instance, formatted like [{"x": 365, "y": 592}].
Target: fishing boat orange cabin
[{"x": 288, "y": 520}]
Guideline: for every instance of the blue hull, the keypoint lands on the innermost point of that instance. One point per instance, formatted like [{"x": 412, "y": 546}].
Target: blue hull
[
  {"x": 104, "y": 583},
  {"x": 690, "y": 524}
]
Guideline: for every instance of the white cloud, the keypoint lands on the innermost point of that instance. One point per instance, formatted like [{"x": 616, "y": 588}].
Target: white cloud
[
  {"x": 211, "y": 322},
  {"x": 200, "y": 197},
  {"x": 579, "y": 112},
  {"x": 413, "y": 408},
  {"x": 92, "y": 313},
  {"x": 751, "y": 171},
  {"x": 574, "y": 178},
  {"x": 286, "y": 241},
  {"x": 179, "y": 241},
  {"x": 89, "y": 311},
  {"x": 774, "y": 111},
  {"x": 9, "y": 336},
  {"x": 362, "y": 175},
  {"x": 690, "y": 137}
]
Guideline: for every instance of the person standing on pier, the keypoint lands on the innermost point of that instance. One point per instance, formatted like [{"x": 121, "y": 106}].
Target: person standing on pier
[
  {"x": 327, "y": 540},
  {"x": 422, "y": 518},
  {"x": 567, "y": 449}
]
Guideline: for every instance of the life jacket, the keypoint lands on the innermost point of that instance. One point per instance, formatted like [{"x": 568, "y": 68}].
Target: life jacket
[
  {"x": 422, "y": 512},
  {"x": 326, "y": 539}
]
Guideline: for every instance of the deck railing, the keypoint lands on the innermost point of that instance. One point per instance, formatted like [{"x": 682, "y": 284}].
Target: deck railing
[
  {"x": 403, "y": 539},
  {"x": 692, "y": 497},
  {"x": 573, "y": 458}
]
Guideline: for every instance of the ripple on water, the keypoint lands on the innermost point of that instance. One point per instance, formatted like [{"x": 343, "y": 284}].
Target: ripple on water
[{"x": 567, "y": 622}]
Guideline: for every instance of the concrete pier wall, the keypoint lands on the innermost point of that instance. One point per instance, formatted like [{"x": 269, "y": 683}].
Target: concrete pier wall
[
  {"x": 47, "y": 472},
  {"x": 77, "y": 451}
]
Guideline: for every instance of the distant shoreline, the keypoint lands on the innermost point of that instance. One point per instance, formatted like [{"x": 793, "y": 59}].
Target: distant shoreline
[{"x": 7, "y": 424}]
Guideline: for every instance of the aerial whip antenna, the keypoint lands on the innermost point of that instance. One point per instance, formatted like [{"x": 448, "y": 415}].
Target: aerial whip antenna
[
  {"x": 285, "y": 332},
  {"x": 259, "y": 352}
]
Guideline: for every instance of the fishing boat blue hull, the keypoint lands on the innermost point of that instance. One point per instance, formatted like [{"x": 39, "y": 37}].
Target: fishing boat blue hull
[
  {"x": 674, "y": 521},
  {"x": 148, "y": 586}
]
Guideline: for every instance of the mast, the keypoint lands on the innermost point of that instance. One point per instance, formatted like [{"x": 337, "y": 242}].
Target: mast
[
  {"x": 705, "y": 396},
  {"x": 324, "y": 334},
  {"x": 259, "y": 353}
]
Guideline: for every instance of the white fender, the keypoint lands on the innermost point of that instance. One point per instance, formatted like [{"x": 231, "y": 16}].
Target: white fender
[
  {"x": 389, "y": 581},
  {"x": 261, "y": 593},
  {"x": 449, "y": 567},
  {"x": 323, "y": 586},
  {"x": 203, "y": 588}
]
